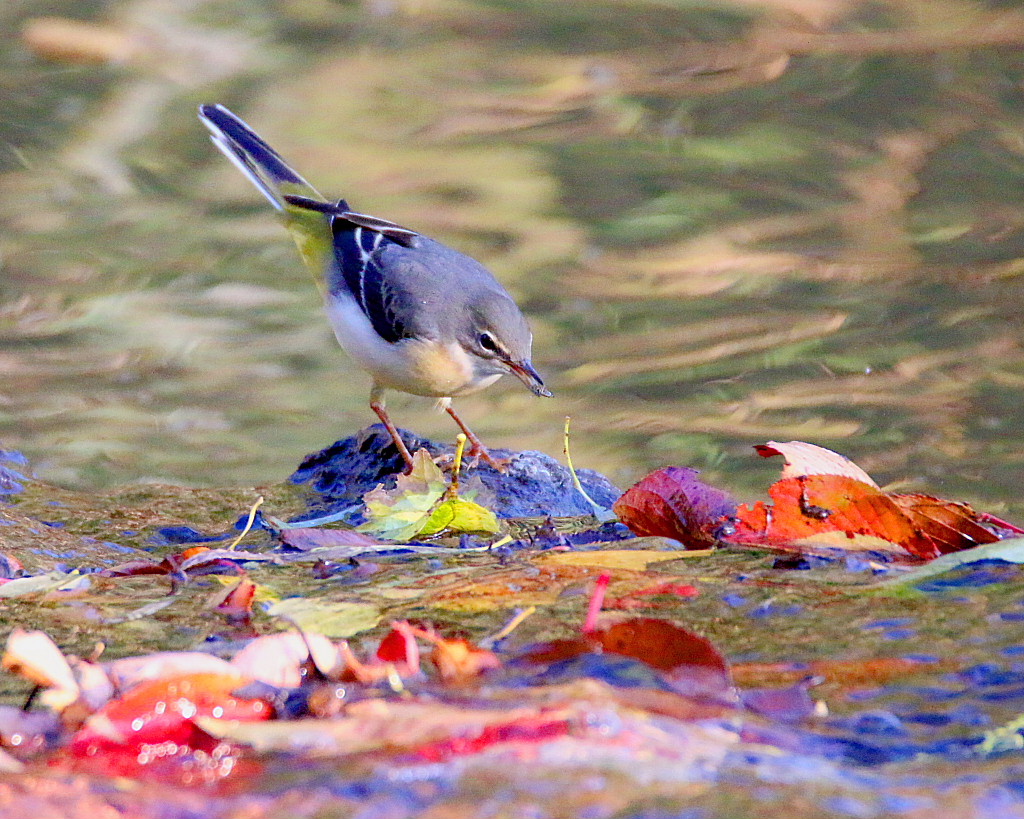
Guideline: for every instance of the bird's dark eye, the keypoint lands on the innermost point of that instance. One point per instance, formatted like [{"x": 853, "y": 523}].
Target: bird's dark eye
[{"x": 486, "y": 342}]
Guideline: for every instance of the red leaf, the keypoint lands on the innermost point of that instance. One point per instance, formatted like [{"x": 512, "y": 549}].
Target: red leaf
[
  {"x": 943, "y": 526},
  {"x": 688, "y": 660},
  {"x": 662, "y": 645},
  {"x": 399, "y": 646},
  {"x": 673, "y": 503},
  {"x": 161, "y": 711}
]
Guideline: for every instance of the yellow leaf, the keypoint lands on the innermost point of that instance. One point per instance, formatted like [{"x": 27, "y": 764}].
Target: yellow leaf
[
  {"x": 636, "y": 560},
  {"x": 264, "y": 594},
  {"x": 461, "y": 516}
]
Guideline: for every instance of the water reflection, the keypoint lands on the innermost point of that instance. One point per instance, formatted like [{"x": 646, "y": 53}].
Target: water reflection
[{"x": 729, "y": 226}]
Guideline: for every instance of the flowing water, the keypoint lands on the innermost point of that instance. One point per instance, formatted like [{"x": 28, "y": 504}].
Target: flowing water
[{"x": 728, "y": 223}]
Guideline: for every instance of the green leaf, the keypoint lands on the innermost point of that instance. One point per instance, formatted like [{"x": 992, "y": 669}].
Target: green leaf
[
  {"x": 1010, "y": 550},
  {"x": 330, "y": 618},
  {"x": 43, "y": 583},
  {"x": 399, "y": 514}
]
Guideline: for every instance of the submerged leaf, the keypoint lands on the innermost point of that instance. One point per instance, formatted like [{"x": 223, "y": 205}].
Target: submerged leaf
[
  {"x": 332, "y": 618},
  {"x": 688, "y": 661}
]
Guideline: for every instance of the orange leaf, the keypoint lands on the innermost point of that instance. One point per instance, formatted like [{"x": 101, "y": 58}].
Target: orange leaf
[
  {"x": 459, "y": 660},
  {"x": 835, "y": 499}
]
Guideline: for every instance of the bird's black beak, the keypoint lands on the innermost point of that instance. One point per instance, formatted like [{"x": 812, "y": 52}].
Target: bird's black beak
[{"x": 523, "y": 370}]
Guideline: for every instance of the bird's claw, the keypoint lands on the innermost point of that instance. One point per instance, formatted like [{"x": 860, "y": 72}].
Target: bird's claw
[{"x": 472, "y": 459}]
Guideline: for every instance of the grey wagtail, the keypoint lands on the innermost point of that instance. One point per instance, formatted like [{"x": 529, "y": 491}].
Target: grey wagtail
[{"x": 418, "y": 316}]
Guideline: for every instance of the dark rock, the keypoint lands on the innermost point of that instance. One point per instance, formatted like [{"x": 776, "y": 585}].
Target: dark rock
[{"x": 533, "y": 485}]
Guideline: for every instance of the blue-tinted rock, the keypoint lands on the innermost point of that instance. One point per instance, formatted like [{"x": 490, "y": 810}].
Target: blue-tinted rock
[{"x": 533, "y": 485}]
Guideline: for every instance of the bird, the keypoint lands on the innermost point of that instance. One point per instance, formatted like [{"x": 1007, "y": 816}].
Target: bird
[{"x": 418, "y": 316}]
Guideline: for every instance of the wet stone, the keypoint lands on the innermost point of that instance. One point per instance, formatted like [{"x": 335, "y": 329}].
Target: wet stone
[{"x": 533, "y": 485}]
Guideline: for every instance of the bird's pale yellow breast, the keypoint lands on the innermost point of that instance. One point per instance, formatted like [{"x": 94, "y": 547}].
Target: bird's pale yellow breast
[{"x": 437, "y": 369}]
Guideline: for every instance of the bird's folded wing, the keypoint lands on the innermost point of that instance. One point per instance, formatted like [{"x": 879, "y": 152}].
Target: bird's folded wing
[{"x": 359, "y": 251}]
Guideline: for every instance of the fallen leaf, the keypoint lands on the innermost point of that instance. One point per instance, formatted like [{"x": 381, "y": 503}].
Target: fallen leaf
[
  {"x": 803, "y": 507},
  {"x": 330, "y": 618},
  {"x": 836, "y": 499},
  {"x": 236, "y": 605},
  {"x": 459, "y": 660},
  {"x": 399, "y": 647},
  {"x": 42, "y": 584},
  {"x": 399, "y": 514},
  {"x": 456, "y": 660},
  {"x": 690, "y": 662},
  {"x": 672, "y": 502},
  {"x": 632, "y": 560},
  {"x": 460, "y": 516},
  {"x": 947, "y": 526},
  {"x": 809, "y": 459},
  {"x": 670, "y": 648},
  {"x": 162, "y": 711},
  {"x": 34, "y": 656},
  {"x": 277, "y": 659}
]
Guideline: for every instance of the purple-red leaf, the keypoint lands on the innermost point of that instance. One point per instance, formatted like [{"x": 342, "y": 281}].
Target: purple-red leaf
[{"x": 672, "y": 502}]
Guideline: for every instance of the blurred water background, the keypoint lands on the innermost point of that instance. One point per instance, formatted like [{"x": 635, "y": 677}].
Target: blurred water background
[{"x": 729, "y": 222}]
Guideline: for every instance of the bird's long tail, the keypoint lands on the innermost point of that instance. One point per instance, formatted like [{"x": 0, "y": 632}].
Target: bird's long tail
[{"x": 276, "y": 180}]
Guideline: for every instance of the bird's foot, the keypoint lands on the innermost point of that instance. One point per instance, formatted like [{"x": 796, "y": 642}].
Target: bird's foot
[
  {"x": 478, "y": 452},
  {"x": 472, "y": 459}
]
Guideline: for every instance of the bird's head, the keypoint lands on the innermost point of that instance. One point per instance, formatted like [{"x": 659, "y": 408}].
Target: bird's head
[{"x": 498, "y": 340}]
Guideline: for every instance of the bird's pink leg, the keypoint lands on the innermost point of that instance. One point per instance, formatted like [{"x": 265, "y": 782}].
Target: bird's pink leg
[
  {"x": 377, "y": 405},
  {"x": 476, "y": 447}
]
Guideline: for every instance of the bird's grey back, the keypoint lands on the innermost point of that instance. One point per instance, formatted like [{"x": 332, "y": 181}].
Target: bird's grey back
[{"x": 417, "y": 288}]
